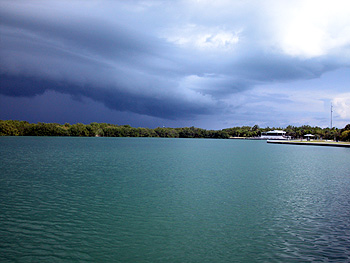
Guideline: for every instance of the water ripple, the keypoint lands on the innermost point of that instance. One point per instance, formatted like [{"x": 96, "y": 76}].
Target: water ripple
[{"x": 150, "y": 200}]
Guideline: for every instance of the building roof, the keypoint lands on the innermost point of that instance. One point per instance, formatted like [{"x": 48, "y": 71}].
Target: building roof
[{"x": 276, "y": 131}]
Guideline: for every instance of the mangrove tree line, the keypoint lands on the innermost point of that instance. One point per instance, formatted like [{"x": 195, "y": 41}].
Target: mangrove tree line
[{"x": 94, "y": 129}]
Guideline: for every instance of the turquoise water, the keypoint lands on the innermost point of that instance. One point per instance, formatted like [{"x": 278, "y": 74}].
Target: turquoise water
[{"x": 172, "y": 200}]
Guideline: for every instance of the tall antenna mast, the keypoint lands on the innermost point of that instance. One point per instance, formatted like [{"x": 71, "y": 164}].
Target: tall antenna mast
[{"x": 331, "y": 115}]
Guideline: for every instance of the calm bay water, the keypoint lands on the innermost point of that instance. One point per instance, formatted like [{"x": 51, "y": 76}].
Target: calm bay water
[{"x": 172, "y": 200}]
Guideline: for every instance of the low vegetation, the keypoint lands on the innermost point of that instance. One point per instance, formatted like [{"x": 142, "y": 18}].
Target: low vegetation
[
  {"x": 294, "y": 132},
  {"x": 23, "y": 128}
]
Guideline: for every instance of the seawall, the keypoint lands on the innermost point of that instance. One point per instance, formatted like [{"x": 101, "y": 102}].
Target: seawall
[{"x": 311, "y": 143}]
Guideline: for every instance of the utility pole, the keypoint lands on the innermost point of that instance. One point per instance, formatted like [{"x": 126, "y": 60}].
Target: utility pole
[{"x": 331, "y": 115}]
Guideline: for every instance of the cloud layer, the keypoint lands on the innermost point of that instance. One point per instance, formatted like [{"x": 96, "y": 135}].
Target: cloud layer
[{"x": 173, "y": 60}]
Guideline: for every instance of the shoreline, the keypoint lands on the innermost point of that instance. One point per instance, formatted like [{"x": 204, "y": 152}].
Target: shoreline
[{"x": 311, "y": 143}]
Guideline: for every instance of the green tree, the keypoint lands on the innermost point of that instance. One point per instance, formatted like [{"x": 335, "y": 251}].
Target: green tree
[
  {"x": 345, "y": 136},
  {"x": 8, "y": 128},
  {"x": 78, "y": 130}
]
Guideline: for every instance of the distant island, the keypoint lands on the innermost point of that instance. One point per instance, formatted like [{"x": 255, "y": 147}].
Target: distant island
[{"x": 94, "y": 129}]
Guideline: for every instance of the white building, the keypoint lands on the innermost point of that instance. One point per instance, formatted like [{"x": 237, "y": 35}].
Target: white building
[{"x": 274, "y": 135}]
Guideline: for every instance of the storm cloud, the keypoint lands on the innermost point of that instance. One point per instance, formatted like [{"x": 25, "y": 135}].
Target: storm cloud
[{"x": 175, "y": 60}]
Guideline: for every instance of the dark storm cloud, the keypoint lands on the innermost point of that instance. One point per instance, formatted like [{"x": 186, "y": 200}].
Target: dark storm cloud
[
  {"x": 118, "y": 66},
  {"x": 276, "y": 67},
  {"x": 168, "y": 59},
  {"x": 22, "y": 87},
  {"x": 171, "y": 108},
  {"x": 95, "y": 36}
]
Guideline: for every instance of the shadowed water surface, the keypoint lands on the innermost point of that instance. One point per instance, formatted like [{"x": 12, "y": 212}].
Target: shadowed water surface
[{"x": 172, "y": 200}]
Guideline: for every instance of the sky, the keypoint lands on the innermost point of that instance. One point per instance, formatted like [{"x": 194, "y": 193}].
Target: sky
[{"x": 208, "y": 64}]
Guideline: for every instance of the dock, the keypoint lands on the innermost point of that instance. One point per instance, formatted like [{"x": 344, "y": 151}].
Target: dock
[{"x": 311, "y": 143}]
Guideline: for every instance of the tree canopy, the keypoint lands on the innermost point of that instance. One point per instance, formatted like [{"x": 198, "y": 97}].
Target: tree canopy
[{"x": 94, "y": 129}]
